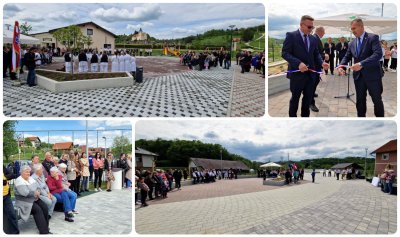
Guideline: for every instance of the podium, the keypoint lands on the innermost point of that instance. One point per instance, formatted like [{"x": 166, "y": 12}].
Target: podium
[{"x": 117, "y": 184}]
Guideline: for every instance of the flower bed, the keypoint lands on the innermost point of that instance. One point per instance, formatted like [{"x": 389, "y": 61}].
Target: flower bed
[
  {"x": 65, "y": 82},
  {"x": 274, "y": 182}
]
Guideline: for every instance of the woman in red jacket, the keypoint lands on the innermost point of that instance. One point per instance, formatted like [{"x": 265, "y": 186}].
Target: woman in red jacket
[{"x": 63, "y": 195}]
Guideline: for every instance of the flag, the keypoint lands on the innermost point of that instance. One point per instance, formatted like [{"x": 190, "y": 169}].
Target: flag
[{"x": 16, "y": 49}]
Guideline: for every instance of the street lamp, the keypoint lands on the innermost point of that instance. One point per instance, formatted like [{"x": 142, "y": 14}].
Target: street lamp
[
  {"x": 365, "y": 162},
  {"x": 231, "y": 26},
  {"x": 221, "y": 160},
  {"x": 105, "y": 146}
]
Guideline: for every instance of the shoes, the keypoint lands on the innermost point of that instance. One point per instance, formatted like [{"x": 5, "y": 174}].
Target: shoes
[
  {"x": 151, "y": 198},
  {"x": 69, "y": 219},
  {"x": 96, "y": 190},
  {"x": 75, "y": 212},
  {"x": 315, "y": 95},
  {"x": 70, "y": 214},
  {"x": 86, "y": 190},
  {"x": 108, "y": 190},
  {"x": 314, "y": 108},
  {"x": 145, "y": 205},
  {"x": 100, "y": 189}
]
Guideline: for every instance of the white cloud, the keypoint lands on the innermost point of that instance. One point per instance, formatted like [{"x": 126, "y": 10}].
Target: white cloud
[
  {"x": 142, "y": 13},
  {"x": 183, "y": 30},
  {"x": 118, "y": 123},
  {"x": 140, "y": 25}
]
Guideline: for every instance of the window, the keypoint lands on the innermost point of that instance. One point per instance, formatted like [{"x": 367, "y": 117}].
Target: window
[
  {"x": 139, "y": 159},
  {"x": 385, "y": 156},
  {"x": 89, "y": 32}
]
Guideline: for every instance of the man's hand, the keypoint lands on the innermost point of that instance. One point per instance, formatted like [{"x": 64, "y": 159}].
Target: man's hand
[
  {"x": 325, "y": 65},
  {"x": 356, "y": 67},
  {"x": 326, "y": 57},
  {"x": 341, "y": 71},
  {"x": 303, "y": 67}
]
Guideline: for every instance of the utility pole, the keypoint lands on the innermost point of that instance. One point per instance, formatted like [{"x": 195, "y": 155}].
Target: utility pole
[{"x": 365, "y": 163}]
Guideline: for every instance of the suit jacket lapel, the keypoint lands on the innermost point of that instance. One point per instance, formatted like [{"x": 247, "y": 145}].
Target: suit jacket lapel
[{"x": 364, "y": 42}]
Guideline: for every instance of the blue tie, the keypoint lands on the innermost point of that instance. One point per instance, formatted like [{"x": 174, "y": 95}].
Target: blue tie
[
  {"x": 306, "y": 42},
  {"x": 358, "y": 46}
]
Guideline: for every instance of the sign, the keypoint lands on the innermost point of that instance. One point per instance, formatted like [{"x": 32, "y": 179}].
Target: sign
[{"x": 375, "y": 181}]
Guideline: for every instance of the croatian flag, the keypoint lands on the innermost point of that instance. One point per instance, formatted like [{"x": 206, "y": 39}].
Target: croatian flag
[{"x": 16, "y": 49}]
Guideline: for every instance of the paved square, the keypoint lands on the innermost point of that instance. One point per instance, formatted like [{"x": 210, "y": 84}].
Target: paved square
[
  {"x": 327, "y": 206},
  {"x": 206, "y": 93},
  {"x": 99, "y": 213}
]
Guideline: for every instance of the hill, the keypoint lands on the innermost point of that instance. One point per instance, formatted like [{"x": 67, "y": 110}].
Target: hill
[{"x": 213, "y": 39}]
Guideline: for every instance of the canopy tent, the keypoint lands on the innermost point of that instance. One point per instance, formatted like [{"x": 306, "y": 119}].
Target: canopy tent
[
  {"x": 340, "y": 24},
  {"x": 24, "y": 39},
  {"x": 270, "y": 164}
]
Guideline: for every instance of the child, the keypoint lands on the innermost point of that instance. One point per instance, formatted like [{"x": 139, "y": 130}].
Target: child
[{"x": 164, "y": 188}]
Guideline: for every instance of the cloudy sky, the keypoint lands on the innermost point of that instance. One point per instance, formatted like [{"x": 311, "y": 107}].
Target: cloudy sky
[
  {"x": 108, "y": 129},
  {"x": 280, "y": 22},
  {"x": 271, "y": 140},
  {"x": 159, "y": 20}
]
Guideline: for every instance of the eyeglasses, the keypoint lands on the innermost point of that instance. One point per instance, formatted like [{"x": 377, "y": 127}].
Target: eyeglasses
[{"x": 309, "y": 27}]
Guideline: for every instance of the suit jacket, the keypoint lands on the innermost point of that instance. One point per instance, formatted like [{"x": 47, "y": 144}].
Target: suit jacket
[
  {"x": 342, "y": 51},
  {"x": 295, "y": 52},
  {"x": 320, "y": 46},
  {"x": 331, "y": 52},
  {"x": 370, "y": 54}
]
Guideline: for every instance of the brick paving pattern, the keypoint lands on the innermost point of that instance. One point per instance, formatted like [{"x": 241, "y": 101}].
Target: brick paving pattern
[
  {"x": 327, "y": 206},
  {"x": 248, "y": 95},
  {"x": 103, "y": 213},
  {"x": 331, "y": 86}
]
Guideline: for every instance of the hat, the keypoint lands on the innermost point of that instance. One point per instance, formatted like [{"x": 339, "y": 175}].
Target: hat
[
  {"x": 53, "y": 169},
  {"x": 62, "y": 165}
]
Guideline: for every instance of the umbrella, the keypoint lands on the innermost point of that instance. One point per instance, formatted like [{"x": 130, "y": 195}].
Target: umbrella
[
  {"x": 340, "y": 24},
  {"x": 24, "y": 39},
  {"x": 270, "y": 164}
]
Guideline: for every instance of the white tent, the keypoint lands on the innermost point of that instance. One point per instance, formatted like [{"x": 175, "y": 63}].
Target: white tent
[
  {"x": 24, "y": 39},
  {"x": 340, "y": 24},
  {"x": 270, "y": 164}
]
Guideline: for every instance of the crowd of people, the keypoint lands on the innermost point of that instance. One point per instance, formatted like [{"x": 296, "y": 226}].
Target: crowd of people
[
  {"x": 40, "y": 185},
  {"x": 206, "y": 60},
  {"x": 246, "y": 60},
  {"x": 157, "y": 184}
]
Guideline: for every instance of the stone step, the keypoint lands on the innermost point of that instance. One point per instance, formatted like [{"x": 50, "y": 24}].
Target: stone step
[{"x": 277, "y": 84}]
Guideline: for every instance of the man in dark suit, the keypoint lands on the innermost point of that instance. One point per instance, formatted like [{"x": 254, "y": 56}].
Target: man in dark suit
[
  {"x": 367, "y": 71},
  {"x": 319, "y": 33},
  {"x": 341, "y": 48},
  {"x": 300, "y": 50},
  {"x": 329, "y": 48}
]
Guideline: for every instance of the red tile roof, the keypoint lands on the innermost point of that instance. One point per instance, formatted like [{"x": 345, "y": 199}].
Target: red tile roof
[
  {"x": 63, "y": 145},
  {"x": 388, "y": 147}
]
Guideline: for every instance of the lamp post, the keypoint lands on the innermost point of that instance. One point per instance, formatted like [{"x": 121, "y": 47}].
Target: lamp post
[
  {"x": 231, "y": 26},
  {"x": 365, "y": 162},
  {"x": 221, "y": 160},
  {"x": 105, "y": 146}
]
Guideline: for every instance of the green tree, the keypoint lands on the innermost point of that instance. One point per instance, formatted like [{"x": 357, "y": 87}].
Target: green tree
[
  {"x": 10, "y": 145},
  {"x": 247, "y": 35},
  {"x": 87, "y": 40},
  {"x": 25, "y": 28},
  {"x": 69, "y": 36},
  {"x": 121, "y": 144},
  {"x": 27, "y": 142}
]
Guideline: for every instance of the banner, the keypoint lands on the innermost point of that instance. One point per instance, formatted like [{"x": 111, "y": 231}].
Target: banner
[{"x": 16, "y": 49}]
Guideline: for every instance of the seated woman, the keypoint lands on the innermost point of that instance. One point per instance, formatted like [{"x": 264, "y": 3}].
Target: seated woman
[
  {"x": 56, "y": 187},
  {"x": 27, "y": 199},
  {"x": 45, "y": 194}
]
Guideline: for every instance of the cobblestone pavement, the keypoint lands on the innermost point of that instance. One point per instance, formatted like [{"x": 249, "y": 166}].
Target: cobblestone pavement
[
  {"x": 331, "y": 86},
  {"x": 188, "y": 94},
  {"x": 218, "y": 189},
  {"x": 248, "y": 95},
  {"x": 100, "y": 213},
  {"x": 327, "y": 206}
]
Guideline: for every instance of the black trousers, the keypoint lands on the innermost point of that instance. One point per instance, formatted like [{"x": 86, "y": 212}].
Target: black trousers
[
  {"x": 10, "y": 222},
  {"x": 73, "y": 185},
  {"x": 315, "y": 89},
  {"x": 97, "y": 177},
  {"x": 40, "y": 213},
  {"x": 375, "y": 89},
  {"x": 298, "y": 87},
  {"x": 91, "y": 169},
  {"x": 150, "y": 192},
  {"x": 77, "y": 184},
  {"x": 337, "y": 176},
  {"x": 143, "y": 196},
  {"x": 393, "y": 63},
  {"x": 313, "y": 179},
  {"x": 177, "y": 183},
  {"x": 385, "y": 63}
]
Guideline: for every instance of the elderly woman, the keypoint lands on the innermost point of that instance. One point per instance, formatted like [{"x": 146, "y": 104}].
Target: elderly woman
[
  {"x": 27, "y": 199},
  {"x": 56, "y": 161},
  {"x": 45, "y": 194},
  {"x": 62, "y": 192}
]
